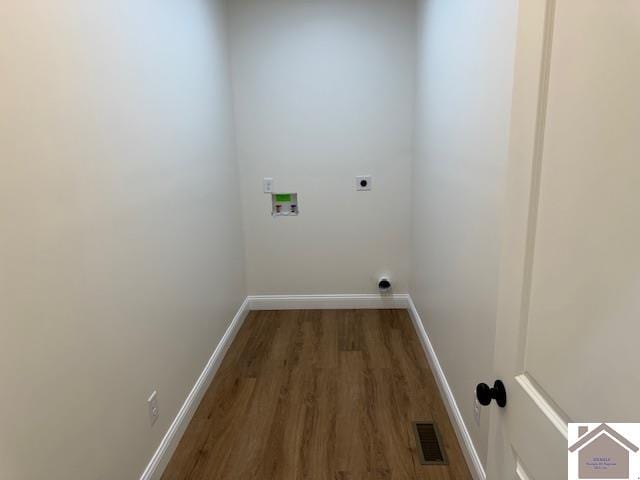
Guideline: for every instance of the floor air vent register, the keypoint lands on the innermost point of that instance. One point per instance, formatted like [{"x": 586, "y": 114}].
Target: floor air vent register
[{"x": 428, "y": 444}]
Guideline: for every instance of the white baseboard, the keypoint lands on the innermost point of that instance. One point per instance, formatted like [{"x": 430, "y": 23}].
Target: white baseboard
[
  {"x": 327, "y": 302},
  {"x": 468, "y": 448},
  {"x": 167, "y": 447}
]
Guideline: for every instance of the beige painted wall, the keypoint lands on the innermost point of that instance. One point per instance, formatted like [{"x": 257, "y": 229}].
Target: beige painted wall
[
  {"x": 465, "y": 69},
  {"x": 121, "y": 259},
  {"x": 324, "y": 91}
]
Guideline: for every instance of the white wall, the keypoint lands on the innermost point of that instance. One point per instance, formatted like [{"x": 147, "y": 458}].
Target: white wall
[
  {"x": 465, "y": 68},
  {"x": 324, "y": 91},
  {"x": 121, "y": 256}
]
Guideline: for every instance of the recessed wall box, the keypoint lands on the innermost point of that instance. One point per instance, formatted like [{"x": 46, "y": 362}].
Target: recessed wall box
[{"x": 284, "y": 204}]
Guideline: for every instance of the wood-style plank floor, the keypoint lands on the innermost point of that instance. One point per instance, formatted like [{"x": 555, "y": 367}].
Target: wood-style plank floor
[{"x": 323, "y": 395}]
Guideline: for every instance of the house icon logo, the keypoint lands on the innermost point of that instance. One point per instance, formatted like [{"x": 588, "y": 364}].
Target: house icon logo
[{"x": 599, "y": 451}]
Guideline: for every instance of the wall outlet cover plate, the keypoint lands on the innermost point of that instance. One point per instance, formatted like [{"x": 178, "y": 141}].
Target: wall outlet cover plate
[
  {"x": 154, "y": 411},
  {"x": 477, "y": 409}
]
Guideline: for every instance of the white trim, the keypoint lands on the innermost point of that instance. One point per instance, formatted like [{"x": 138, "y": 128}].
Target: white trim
[
  {"x": 521, "y": 473},
  {"x": 327, "y": 302},
  {"x": 556, "y": 419},
  {"x": 468, "y": 448},
  {"x": 167, "y": 446}
]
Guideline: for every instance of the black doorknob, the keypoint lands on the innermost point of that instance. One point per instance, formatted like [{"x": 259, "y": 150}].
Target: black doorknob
[{"x": 484, "y": 394}]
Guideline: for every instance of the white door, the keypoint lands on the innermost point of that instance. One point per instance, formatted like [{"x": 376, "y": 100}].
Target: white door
[{"x": 568, "y": 336}]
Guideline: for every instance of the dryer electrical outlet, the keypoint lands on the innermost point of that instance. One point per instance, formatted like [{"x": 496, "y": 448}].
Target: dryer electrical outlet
[{"x": 364, "y": 183}]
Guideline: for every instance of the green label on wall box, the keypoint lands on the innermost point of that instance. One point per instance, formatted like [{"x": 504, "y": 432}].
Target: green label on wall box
[{"x": 283, "y": 197}]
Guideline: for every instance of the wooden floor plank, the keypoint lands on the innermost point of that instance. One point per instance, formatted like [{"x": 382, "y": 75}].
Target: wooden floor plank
[{"x": 318, "y": 395}]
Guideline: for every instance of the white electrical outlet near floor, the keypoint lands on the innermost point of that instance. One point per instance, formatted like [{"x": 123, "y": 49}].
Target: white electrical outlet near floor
[
  {"x": 152, "y": 404},
  {"x": 477, "y": 409}
]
